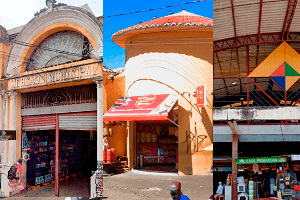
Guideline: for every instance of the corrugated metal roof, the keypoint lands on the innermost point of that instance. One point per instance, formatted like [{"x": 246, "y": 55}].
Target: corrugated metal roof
[
  {"x": 273, "y": 16},
  {"x": 232, "y": 62},
  {"x": 295, "y": 26}
]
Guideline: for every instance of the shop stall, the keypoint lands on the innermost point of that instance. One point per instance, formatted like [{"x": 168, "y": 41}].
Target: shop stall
[
  {"x": 157, "y": 146},
  {"x": 268, "y": 177},
  {"x": 156, "y": 130},
  {"x": 75, "y": 156}
]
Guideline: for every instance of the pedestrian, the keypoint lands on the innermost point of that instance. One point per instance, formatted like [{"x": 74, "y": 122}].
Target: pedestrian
[
  {"x": 15, "y": 178},
  {"x": 267, "y": 188},
  {"x": 176, "y": 193},
  {"x": 219, "y": 190}
]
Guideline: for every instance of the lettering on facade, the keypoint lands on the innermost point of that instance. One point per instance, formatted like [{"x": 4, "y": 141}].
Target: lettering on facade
[{"x": 61, "y": 75}]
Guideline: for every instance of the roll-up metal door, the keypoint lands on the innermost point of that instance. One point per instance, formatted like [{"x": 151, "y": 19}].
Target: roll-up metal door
[
  {"x": 78, "y": 122},
  {"x": 39, "y": 122}
]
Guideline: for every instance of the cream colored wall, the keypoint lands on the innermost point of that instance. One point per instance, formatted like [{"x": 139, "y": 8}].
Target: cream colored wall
[
  {"x": 167, "y": 68},
  {"x": 192, "y": 41}
]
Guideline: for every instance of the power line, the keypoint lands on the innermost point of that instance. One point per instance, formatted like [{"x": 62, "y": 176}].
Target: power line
[
  {"x": 44, "y": 48},
  {"x": 152, "y": 9}
]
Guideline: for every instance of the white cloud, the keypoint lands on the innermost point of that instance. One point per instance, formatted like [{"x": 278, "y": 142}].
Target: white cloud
[{"x": 14, "y": 13}]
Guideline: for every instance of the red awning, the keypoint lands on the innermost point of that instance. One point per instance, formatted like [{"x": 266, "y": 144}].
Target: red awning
[{"x": 141, "y": 108}]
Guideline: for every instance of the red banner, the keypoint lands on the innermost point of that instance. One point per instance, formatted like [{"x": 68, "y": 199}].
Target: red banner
[
  {"x": 147, "y": 107},
  {"x": 148, "y": 149},
  {"x": 201, "y": 96}
]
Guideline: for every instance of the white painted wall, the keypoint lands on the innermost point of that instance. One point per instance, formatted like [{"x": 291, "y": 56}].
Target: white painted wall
[{"x": 8, "y": 158}]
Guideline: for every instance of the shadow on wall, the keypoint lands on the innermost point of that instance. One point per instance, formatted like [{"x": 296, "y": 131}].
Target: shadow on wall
[
  {"x": 192, "y": 159},
  {"x": 208, "y": 125},
  {"x": 118, "y": 140},
  {"x": 185, "y": 163}
]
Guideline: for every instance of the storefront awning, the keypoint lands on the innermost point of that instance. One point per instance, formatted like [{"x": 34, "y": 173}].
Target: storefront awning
[{"x": 142, "y": 108}]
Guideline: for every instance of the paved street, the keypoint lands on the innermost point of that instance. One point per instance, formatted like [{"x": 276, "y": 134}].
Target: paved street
[{"x": 133, "y": 186}]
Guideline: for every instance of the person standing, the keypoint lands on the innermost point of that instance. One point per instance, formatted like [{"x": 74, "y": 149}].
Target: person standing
[
  {"x": 176, "y": 193},
  {"x": 267, "y": 188},
  {"x": 15, "y": 180},
  {"x": 220, "y": 190}
]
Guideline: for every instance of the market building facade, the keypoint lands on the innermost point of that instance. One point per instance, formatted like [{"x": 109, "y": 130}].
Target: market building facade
[
  {"x": 256, "y": 95},
  {"x": 167, "y": 59},
  {"x": 52, "y": 95}
]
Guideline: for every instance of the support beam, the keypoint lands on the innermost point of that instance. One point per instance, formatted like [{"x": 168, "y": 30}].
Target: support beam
[
  {"x": 257, "y": 113},
  {"x": 259, "y": 22},
  {"x": 233, "y": 127},
  {"x": 290, "y": 20},
  {"x": 233, "y": 18},
  {"x": 264, "y": 92},
  {"x": 286, "y": 20}
]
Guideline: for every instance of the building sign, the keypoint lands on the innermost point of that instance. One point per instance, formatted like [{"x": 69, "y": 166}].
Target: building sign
[
  {"x": 295, "y": 157},
  {"x": 255, "y": 167},
  {"x": 61, "y": 75},
  {"x": 281, "y": 66},
  {"x": 148, "y": 149},
  {"x": 137, "y": 108},
  {"x": 25, "y": 143},
  {"x": 261, "y": 160},
  {"x": 201, "y": 96},
  {"x": 222, "y": 169}
]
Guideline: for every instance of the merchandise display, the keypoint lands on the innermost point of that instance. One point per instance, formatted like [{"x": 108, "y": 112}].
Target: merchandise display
[
  {"x": 158, "y": 144},
  {"x": 73, "y": 155}
]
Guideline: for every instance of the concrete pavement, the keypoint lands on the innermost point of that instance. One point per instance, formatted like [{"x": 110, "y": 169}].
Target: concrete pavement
[{"x": 136, "y": 186}]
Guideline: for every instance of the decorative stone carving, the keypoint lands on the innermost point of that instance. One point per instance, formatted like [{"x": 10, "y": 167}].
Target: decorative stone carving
[
  {"x": 59, "y": 48},
  {"x": 50, "y": 4}
]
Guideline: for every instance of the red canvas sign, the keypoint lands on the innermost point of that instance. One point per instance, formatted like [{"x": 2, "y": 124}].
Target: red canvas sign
[
  {"x": 137, "y": 108},
  {"x": 201, "y": 96},
  {"x": 148, "y": 149}
]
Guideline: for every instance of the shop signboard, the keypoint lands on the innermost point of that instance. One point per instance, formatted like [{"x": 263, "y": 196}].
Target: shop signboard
[
  {"x": 222, "y": 169},
  {"x": 295, "y": 157},
  {"x": 148, "y": 149},
  {"x": 55, "y": 75},
  {"x": 137, "y": 108},
  {"x": 255, "y": 167},
  {"x": 261, "y": 160},
  {"x": 201, "y": 96}
]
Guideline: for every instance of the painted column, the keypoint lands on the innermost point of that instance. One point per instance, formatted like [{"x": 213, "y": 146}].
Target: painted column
[
  {"x": 234, "y": 128},
  {"x": 99, "y": 172},
  {"x": 6, "y": 112},
  {"x": 12, "y": 118},
  {"x": 234, "y": 166},
  {"x": 57, "y": 155}
]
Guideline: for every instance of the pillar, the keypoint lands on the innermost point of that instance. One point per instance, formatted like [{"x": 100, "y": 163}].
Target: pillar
[
  {"x": 233, "y": 127},
  {"x": 6, "y": 111},
  {"x": 12, "y": 113},
  {"x": 99, "y": 173}
]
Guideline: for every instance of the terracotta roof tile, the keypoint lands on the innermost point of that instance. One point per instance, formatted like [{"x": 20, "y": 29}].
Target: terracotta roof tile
[{"x": 182, "y": 18}]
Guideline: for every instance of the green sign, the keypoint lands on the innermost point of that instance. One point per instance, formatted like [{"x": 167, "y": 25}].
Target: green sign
[{"x": 261, "y": 160}]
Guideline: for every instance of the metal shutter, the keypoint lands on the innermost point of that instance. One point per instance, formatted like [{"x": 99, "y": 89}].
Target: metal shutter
[
  {"x": 39, "y": 122},
  {"x": 78, "y": 121}
]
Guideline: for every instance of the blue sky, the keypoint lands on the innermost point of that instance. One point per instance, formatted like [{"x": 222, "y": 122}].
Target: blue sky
[{"x": 114, "y": 56}]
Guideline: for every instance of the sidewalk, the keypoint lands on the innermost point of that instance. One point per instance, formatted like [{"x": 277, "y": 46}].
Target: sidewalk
[
  {"x": 136, "y": 186},
  {"x": 65, "y": 190}
]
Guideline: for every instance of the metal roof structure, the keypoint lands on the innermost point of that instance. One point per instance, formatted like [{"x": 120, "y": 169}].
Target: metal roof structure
[{"x": 245, "y": 33}]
